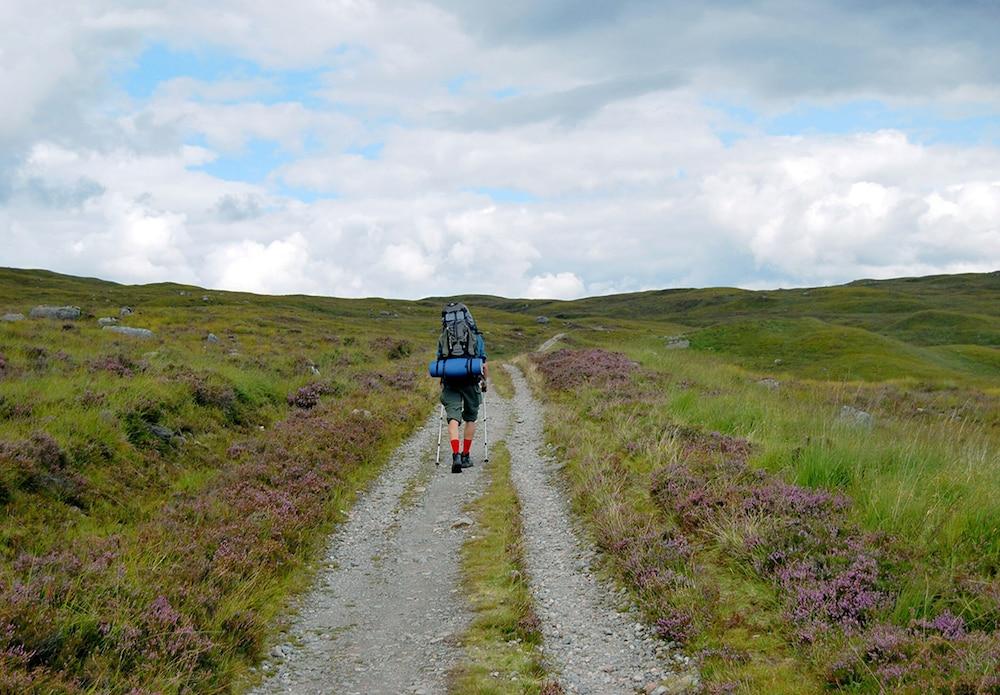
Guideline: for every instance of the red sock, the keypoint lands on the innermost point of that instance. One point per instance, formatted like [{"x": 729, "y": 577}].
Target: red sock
[
  {"x": 454, "y": 446},
  {"x": 466, "y": 446}
]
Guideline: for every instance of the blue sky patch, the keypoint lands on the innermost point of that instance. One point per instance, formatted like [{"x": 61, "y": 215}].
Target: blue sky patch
[
  {"x": 506, "y": 93},
  {"x": 370, "y": 151},
  {"x": 258, "y": 159},
  {"x": 458, "y": 83},
  {"x": 160, "y": 63},
  {"x": 921, "y": 124}
]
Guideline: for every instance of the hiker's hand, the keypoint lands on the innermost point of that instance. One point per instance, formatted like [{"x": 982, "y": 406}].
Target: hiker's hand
[{"x": 482, "y": 385}]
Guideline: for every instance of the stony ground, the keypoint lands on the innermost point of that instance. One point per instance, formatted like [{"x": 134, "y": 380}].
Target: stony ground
[{"x": 386, "y": 612}]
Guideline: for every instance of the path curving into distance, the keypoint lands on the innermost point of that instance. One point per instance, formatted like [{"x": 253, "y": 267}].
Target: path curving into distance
[{"x": 386, "y": 611}]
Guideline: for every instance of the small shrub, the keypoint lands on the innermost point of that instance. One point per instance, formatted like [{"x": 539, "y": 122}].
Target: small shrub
[
  {"x": 38, "y": 465},
  {"x": 676, "y": 626},
  {"x": 392, "y": 348},
  {"x": 118, "y": 364},
  {"x": 308, "y": 396},
  {"x": 567, "y": 369}
]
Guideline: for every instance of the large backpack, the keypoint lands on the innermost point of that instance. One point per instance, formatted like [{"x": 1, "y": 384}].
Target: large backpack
[{"x": 459, "y": 328}]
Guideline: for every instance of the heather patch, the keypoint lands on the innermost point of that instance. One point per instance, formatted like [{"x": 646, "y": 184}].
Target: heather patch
[
  {"x": 935, "y": 655},
  {"x": 567, "y": 369},
  {"x": 176, "y": 616},
  {"x": 118, "y": 364},
  {"x": 392, "y": 348},
  {"x": 830, "y": 573},
  {"x": 398, "y": 380},
  {"x": 308, "y": 396},
  {"x": 39, "y": 465}
]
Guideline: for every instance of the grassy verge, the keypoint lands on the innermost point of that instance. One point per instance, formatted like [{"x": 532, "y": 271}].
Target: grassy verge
[
  {"x": 502, "y": 644},
  {"x": 500, "y": 380},
  {"x": 788, "y": 547}
]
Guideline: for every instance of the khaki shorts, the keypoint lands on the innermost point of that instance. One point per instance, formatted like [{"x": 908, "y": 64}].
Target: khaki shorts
[{"x": 461, "y": 400}]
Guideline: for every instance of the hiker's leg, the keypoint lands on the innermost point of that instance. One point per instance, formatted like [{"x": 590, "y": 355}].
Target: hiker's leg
[
  {"x": 470, "y": 413},
  {"x": 452, "y": 402}
]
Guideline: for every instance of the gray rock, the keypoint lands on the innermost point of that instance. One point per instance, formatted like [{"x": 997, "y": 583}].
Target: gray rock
[
  {"x": 107, "y": 321},
  {"x": 856, "y": 416},
  {"x": 770, "y": 384},
  {"x": 12, "y": 317},
  {"x": 126, "y": 311},
  {"x": 676, "y": 342},
  {"x": 204, "y": 298},
  {"x": 542, "y": 319},
  {"x": 63, "y": 313},
  {"x": 164, "y": 433},
  {"x": 462, "y": 522},
  {"x": 212, "y": 338},
  {"x": 313, "y": 370},
  {"x": 128, "y": 330}
]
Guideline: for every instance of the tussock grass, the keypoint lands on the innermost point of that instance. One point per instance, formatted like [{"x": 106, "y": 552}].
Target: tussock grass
[{"x": 502, "y": 645}]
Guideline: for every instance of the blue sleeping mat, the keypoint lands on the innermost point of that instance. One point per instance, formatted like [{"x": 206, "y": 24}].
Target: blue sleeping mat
[{"x": 457, "y": 367}]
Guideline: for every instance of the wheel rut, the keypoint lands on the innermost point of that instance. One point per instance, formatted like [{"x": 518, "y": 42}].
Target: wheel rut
[{"x": 590, "y": 645}]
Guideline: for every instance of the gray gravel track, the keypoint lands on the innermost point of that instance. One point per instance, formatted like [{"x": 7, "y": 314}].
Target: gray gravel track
[{"x": 385, "y": 613}]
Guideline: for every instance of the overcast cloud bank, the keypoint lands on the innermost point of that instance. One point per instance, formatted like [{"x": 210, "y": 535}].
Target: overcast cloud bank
[{"x": 549, "y": 149}]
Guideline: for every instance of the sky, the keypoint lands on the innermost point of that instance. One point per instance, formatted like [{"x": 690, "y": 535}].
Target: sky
[{"x": 530, "y": 148}]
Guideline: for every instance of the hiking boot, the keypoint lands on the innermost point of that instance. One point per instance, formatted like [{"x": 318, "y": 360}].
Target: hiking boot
[
  {"x": 456, "y": 463},
  {"x": 466, "y": 461}
]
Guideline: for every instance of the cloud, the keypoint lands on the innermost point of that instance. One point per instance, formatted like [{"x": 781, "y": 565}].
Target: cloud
[
  {"x": 529, "y": 148},
  {"x": 558, "y": 286}
]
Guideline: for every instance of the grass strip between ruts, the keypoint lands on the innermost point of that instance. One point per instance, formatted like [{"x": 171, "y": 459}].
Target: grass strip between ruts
[{"x": 502, "y": 645}]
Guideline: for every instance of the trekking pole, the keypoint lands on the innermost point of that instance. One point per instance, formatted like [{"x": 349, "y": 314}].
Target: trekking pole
[
  {"x": 437, "y": 460},
  {"x": 486, "y": 433}
]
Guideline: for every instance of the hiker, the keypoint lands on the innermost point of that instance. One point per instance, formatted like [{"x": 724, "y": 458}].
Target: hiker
[{"x": 461, "y": 395}]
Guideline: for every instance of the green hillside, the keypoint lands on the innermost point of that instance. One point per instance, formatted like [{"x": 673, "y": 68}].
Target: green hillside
[{"x": 163, "y": 497}]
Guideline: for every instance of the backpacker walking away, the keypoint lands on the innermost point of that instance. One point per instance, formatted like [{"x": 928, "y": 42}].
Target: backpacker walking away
[{"x": 461, "y": 366}]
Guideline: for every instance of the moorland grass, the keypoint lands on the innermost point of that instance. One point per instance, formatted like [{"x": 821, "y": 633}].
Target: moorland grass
[
  {"x": 163, "y": 498},
  {"x": 922, "y": 482}
]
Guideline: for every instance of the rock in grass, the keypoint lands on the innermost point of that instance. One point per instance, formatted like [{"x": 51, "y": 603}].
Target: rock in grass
[
  {"x": 855, "y": 416},
  {"x": 128, "y": 330},
  {"x": 676, "y": 342},
  {"x": 126, "y": 311},
  {"x": 10, "y": 318},
  {"x": 62, "y": 313},
  {"x": 463, "y": 522},
  {"x": 107, "y": 321},
  {"x": 164, "y": 433},
  {"x": 770, "y": 384},
  {"x": 542, "y": 320},
  {"x": 211, "y": 338}
]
